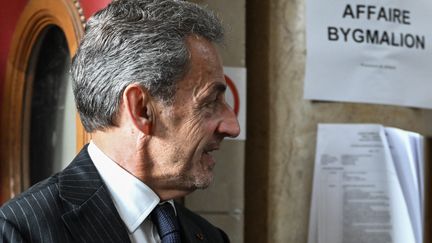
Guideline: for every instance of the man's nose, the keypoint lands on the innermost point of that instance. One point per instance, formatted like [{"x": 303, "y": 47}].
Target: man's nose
[{"x": 229, "y": 125}]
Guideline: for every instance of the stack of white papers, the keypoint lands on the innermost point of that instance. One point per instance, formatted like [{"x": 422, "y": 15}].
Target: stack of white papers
[{"x": 368, "y": 185}]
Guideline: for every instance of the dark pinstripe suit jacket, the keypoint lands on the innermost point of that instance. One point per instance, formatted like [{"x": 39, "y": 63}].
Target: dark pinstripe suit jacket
[{"x": 75, "y": 206}]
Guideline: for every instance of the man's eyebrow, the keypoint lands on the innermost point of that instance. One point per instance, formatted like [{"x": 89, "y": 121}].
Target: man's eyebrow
[{"x": 218, "y": 88}]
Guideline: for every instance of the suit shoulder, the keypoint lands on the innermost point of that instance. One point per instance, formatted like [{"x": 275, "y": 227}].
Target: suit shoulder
[
  {"x": 40, "y": 197},
  {"x": 42, "y": 186}
]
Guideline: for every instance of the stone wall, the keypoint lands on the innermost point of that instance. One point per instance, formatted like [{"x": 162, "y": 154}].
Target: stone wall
[{"x": 285, "y": 124}]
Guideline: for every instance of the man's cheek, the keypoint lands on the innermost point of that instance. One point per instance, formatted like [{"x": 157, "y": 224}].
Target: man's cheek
[{"x": 194, "y": 127}]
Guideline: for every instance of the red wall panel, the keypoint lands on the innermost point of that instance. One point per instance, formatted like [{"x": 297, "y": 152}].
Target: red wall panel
[
  {"x": 9, "y": 13},
  {"x": 91, "y": 6}
]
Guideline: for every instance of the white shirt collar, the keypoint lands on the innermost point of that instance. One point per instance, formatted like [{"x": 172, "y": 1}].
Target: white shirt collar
[{"x": 133, "y": 199}]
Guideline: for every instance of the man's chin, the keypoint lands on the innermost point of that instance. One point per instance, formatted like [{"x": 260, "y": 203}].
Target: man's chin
[
  {"x": 203, "y": 182},
  {"x": 202, "y": 186}
]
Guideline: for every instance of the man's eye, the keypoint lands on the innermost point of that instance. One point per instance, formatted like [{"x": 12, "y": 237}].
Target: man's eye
[
  {"x": 212, "y": 100},
  {"x": 211, "y": 103}
]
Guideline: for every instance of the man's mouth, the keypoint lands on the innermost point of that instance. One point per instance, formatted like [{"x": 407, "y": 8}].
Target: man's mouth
[
  {"x": 208, "y": 155},
  {"x": 210, "y": 149}
]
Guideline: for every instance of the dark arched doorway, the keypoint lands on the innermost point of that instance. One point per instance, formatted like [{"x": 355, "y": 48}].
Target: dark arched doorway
[{"x": 49, "y": 114}]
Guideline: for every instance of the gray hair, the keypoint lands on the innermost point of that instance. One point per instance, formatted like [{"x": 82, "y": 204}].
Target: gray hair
[{"x": 135, "y": 41}]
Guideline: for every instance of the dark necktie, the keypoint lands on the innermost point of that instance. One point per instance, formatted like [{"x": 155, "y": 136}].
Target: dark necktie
[{"x": 164, "y": 218}]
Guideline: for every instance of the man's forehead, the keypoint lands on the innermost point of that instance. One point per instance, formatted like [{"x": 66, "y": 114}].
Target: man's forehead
[
  {"x": 198, "y": 45},
  {"x": 205, "y": 67}
]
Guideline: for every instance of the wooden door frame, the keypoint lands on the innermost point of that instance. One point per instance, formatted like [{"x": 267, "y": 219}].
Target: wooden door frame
[{"x": 36, "y": 17}]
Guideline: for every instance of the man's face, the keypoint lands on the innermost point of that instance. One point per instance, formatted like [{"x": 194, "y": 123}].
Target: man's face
[{"x": 187, "y": 131}]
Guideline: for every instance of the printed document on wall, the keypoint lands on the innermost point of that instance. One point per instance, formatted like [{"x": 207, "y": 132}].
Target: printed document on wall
[
  {"x": 369, "y": 51},
  {"x": 368, "y": 185}
]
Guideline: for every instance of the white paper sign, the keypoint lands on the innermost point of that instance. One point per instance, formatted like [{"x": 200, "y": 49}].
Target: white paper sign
[
  {"x": 370, "y": 51},
  {"x": 236, "y": 95},
  {"x": 366, "y": 185}
]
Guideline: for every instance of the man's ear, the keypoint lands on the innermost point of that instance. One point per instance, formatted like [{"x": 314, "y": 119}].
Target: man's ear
[{"x": 137, "y": 103}]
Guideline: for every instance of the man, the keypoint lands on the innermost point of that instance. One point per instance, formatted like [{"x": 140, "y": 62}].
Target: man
[{"x": 149, "y": 87}]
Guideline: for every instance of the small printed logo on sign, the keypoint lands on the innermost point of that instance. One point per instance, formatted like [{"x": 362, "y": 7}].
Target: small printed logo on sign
[{"x": 233, "y": 95}]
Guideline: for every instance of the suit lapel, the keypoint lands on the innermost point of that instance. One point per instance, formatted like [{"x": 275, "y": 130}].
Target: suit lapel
[
  {"x": 196, "y": 229},
  {"x": 192, "y": 233},
  {"x": 92, "y": 216}
]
